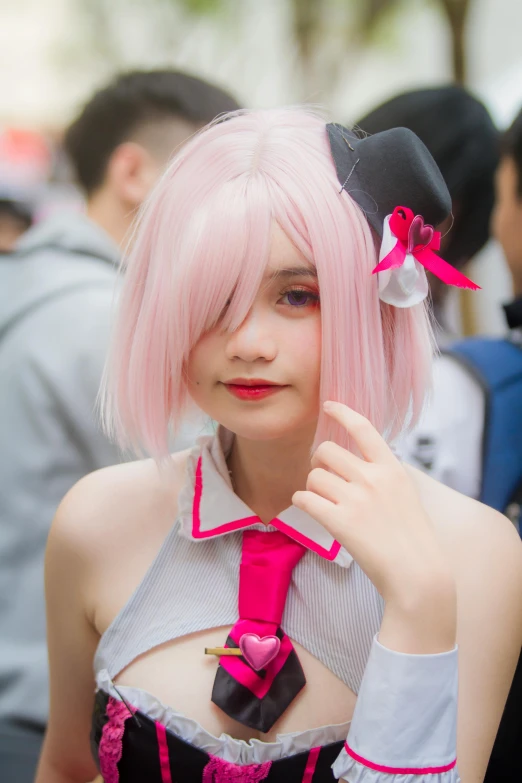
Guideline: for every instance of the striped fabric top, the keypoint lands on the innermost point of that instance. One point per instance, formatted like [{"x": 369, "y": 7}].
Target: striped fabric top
[{"x": 332, "y": 608}]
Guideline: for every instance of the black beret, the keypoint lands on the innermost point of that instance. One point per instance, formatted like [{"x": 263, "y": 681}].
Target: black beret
[
  {"x": 461, "y": 136},
  {"x": 390, "y": 169}
]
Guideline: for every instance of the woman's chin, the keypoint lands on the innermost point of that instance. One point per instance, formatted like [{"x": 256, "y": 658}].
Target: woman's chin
[{"x": 268, "y": 427}]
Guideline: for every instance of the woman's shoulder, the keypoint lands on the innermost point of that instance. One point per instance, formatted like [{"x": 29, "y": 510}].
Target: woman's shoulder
[
  {"x": 478, "y": 539},
  {"x": 114, "y": 504}
]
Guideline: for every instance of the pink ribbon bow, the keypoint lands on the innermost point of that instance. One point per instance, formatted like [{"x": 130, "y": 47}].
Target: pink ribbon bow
[{"x": 419, "y": 240}]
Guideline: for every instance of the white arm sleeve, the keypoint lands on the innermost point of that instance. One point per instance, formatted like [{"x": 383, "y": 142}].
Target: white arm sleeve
[{"x": 404, "y": 727}]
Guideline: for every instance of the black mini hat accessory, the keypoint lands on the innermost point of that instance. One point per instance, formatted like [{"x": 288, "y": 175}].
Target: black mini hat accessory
[{"x": 396, "y": 182}]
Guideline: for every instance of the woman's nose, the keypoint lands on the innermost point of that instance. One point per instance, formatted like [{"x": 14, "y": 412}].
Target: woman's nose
[{"x": 253, "y": 340}]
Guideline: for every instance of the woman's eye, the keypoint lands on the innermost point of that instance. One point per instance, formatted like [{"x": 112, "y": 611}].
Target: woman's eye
[{"x": 298, "y": 297}]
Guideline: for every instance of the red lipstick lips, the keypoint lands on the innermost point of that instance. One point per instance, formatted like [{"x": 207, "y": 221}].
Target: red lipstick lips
[{"x": 252, "y": 388}]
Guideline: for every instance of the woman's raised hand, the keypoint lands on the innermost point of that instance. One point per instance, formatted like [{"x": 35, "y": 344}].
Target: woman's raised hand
[{"x": 372, "y": 507}]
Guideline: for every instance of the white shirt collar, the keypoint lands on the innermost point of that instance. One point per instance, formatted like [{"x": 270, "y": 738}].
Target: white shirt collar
[{"x": 208, "y": 506}]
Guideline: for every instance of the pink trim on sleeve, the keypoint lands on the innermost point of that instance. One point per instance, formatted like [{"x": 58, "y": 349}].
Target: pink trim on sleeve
[{"x": 399, "y": 770}]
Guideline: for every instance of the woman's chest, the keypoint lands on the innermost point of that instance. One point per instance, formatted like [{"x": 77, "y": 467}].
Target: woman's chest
[
  {"x": 181, "y": 675},
  {"x": 188, "y": 600}
]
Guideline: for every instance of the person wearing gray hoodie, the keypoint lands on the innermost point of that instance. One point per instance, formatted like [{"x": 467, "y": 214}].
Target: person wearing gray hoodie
[{"x": 56, "y": 299}]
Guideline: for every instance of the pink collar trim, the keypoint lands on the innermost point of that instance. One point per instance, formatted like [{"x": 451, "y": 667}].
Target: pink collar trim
[{"x": 208, "y": 506}]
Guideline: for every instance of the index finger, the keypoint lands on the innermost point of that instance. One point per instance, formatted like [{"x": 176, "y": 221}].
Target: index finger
[{"x": 371, "y": 444}]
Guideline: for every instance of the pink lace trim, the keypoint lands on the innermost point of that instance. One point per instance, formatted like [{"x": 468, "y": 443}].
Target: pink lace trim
[
  {"x": 219, "y": 771},
  {"x": 111, "y": 748}
]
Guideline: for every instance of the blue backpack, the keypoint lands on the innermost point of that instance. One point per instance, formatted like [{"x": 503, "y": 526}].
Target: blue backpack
[{"x": 496, "y": 364}]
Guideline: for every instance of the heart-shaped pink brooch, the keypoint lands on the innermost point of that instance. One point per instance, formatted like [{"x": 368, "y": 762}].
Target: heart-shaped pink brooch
[
  {"x": 257, "y": 651},
  {"x": 419, "y": 234}
]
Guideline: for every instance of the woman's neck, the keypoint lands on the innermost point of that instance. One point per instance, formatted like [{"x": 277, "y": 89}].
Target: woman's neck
[{"x": 265, "y": 474}]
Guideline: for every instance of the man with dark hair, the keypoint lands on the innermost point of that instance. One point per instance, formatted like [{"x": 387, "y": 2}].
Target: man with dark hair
[
  {"x": 460, "y": 134},
  {"x": 127, "y": 132},
  {"x": 56, "y": 297},
  {"x": 507, "y": 215}
]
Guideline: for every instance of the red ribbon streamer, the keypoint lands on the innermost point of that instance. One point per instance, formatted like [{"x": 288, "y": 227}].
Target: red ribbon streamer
[{"x": 408, "y": 228}]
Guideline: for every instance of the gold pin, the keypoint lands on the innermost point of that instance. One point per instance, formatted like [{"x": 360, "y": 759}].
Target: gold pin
[
  {"x": 347, "y": 142},
  {"x": 223, "y": 651}
]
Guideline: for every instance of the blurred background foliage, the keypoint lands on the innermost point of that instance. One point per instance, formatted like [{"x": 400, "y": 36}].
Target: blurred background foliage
[
  {"x": 345, "y": 56},
  {"x": 324, "y": 32}
]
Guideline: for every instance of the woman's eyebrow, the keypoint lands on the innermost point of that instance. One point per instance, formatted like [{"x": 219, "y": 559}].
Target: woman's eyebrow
[{"x": 293, "y": 271}]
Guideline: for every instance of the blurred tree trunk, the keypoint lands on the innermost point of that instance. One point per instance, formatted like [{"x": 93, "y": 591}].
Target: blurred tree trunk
[
  {"x": 455, "y": 11},
  {"x": 457, "y": 14},
  {"x": 307, "y": 33},
  {"x": 324, "y": 30},
  {"x": 310, "y": 31}
]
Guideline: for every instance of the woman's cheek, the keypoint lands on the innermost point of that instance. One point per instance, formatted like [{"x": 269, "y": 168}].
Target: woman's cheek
[
  {"x": 198, "y": 367},
  {"x": 308, "y": 340},
  {"x": 305, "y": 349}
]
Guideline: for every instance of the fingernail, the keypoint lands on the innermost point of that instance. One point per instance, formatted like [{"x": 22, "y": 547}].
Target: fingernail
[{"x": 327, "y": 406}]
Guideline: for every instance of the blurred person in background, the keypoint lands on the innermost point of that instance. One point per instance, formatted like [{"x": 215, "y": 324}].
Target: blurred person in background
[
  {"x": 460, "y": 134},
  {"x": 56, "y": 296},
  {"x": 495, "y": 368},
  {"x": 25, "y": 167},
  {"x": 15, "y": 219},
  {"x": 470, "y": 436}
]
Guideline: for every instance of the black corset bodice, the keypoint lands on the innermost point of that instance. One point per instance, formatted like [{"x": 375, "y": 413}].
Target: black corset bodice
[{"x": 130, "y": 747}]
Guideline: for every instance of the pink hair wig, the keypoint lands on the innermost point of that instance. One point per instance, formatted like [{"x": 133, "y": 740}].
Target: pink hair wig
[{"x": 203, "y": 238}]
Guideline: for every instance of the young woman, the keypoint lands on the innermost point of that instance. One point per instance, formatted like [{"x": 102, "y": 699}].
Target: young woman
[{"x": 285, "y": 601}]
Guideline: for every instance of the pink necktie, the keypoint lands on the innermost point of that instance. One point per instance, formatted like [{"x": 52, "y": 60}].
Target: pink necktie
[{"x": 257, "y": 687}]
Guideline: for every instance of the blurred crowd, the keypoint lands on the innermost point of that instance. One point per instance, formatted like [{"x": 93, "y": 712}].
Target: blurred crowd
[{"x": 66, "y": 212}]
